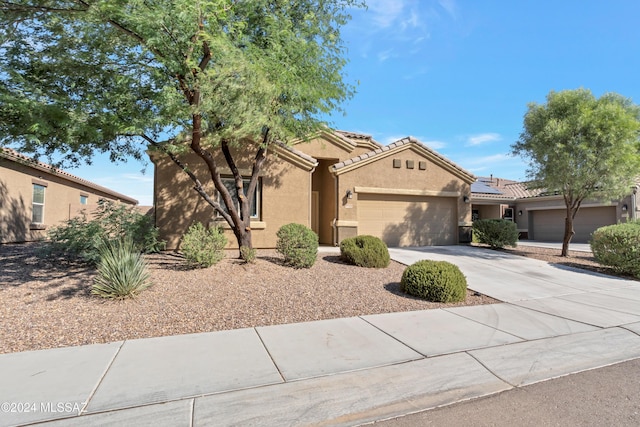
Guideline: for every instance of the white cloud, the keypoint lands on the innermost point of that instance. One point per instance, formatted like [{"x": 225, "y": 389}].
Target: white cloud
[
  {"x": 385, "y": 54},
  {"x": 436, "y": 145},
  {"x": 385, "y": 12},
  {"x": 391, "y": 139},
  {"x": 433, "y": 144},
  {"x": 139, "y": 178},
  {"x": 478, "y": 169},
  {"x": 486, "y": 160},
  {"x": 403, "y": 24},
  {"x": 412, "y": 21},
  {"x": 482, "y": 138},
  {"x": 450, "y": 6},
  {"x": 415, "y": 73}
]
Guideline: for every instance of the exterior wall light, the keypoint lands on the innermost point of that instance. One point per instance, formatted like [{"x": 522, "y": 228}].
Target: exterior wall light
[
  {"x": 349, "y": 194},
  {"x": 519, "y": 213},
  {"x": 466, "y": 199},
  {"x": 624, "y": 208}
]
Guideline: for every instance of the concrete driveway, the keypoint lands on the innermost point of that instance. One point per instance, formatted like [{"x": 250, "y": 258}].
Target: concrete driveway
[
  {"x": 579, "y": 247},
  {"x": 570, "y": 293}
]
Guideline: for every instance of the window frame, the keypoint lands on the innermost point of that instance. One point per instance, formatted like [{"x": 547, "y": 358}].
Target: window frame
[
  {"x": 35, "y": 203},
  {"x": 257, "y": 205},
  {"x": 85, "y": 198},
  {"x": 509, "y": 217}
]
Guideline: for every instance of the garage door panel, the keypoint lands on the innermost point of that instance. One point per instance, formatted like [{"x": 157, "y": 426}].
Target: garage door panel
[
  {"x": 408, "y": 220},
  {"x": 549, "y": 224}
]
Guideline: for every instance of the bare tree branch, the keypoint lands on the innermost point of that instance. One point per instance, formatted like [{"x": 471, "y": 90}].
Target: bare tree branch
[
  {"x": 198, "y": 185},
  {"x": 237, "y": 177}
]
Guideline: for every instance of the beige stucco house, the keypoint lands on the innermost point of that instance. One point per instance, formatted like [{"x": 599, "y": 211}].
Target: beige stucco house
[
  {"x": 340, "y": 184},
  {"x": 34, "y": 197},
  {"x": 539, "y": 215}
]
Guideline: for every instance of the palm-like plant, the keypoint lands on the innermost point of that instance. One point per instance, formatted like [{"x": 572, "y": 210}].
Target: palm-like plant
[{"x": 122, "y": 271}]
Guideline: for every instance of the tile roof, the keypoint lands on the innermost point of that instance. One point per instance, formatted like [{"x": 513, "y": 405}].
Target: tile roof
[
  {"x": 357, "y": 136},
  {"x": 520, "y": 190},
  {"x": 13, "y": 155},
  {"x": 508, "y": 189},
  {"x": 401, "y": 142},
  {"x": 297, "y": 152}
]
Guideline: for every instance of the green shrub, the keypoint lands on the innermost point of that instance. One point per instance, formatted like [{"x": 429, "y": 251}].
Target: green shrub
[
  {"x": 437, "y": 281},
  {"x": 618, "y": 246},
  {"x": 122, "y": 271},
  {"x": 496, "y": 233},
  {"x": 365, "y": 251},
  {"x": 201, "y": 247},
  {"x": 248, "y": 254},
  {"x": 78, "y": 238},
  {"x": 298, "y": 244}
]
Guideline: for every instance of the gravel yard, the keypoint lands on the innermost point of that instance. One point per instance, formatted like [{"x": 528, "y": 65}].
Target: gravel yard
[{"x": 46, "y": 304}]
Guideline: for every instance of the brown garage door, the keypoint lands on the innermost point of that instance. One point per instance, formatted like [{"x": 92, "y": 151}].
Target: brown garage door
[
  {"x": 549, "y": 224},
  {"x": 408, "y": 220}
]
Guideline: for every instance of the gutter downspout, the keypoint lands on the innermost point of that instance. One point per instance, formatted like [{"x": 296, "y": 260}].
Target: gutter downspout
[
  {"x": 311, "y": 196},
  {"x": 634, "y": 203},
  {"x": 334, "y": 228}
]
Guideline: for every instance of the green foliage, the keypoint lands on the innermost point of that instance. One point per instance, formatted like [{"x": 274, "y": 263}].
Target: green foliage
[
  {"x": 79, "y": 238},
  {"x": 122, "y": 271},
  {"x": 437, "y": 281},
  {"x": 201, "y": 247},
  {"x": 76, "y": 239},
  {"x": 80, "y": 77},
  {"x": 123, "y": 221},
  {"x": 248, "y": 254},
  {"x": 581, "y": 146},
  {"x": 496, "y": 233},
  {"x": 618, "y": 246},
  {"x": 298, "y": 244},
  {"x": 365, "y": 251}
]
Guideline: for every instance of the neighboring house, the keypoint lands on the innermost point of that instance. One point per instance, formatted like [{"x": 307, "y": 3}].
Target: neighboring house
[
  {"x": 340, "y": 184},
  {"x": 540, "y": 215},
  {"x": 34, "y": 196}
]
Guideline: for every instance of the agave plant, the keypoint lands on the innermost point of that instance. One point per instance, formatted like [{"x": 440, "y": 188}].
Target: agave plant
[{"x": 122, "y": 271}]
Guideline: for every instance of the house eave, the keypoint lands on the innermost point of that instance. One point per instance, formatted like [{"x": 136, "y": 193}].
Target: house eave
[
  {"x": 294, "y": 159},
  {"x": 26, "y": 161},
  {"x": 416, "y": 147}
]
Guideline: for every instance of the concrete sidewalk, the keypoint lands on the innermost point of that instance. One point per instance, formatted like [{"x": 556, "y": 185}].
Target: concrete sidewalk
[{"x": 554, "y": 321}]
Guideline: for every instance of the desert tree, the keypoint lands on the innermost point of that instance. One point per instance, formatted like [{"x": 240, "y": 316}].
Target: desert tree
[
  {"x": 181, "y": 76},
  {"x": 581, "y": 147}
]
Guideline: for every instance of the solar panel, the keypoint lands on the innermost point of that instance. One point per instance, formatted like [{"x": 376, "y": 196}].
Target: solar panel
[{"x": 481, "y": 187}]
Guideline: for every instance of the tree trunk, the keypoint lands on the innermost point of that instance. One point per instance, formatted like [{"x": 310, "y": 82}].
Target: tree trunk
[
  {"x": 244, "y": 240},
  {"x": 568, "y": 233}
]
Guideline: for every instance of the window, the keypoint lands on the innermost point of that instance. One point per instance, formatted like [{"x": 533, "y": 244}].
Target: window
[
  {"x": 37, "y": 210},
  {"x": 83, "y": 199},
  {"x": 231, "y": 186},
  {"x": 508, "y": 214}
]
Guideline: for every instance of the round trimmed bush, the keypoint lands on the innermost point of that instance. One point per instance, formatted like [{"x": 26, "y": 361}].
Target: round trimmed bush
[
  {"x": 496, "y": 233},
  {"x": 365, "y": 251},
  {"x": 203, "y": 247},
  {"x": 298, "y": 244},
  {"x": 618, "y": 246},
  {"x": 437, "y": 281}
]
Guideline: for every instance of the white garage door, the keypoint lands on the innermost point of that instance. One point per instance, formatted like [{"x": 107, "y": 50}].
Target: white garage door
[
  {"x": 402, "y": 220},
  {"x": 548, "y": 225}
]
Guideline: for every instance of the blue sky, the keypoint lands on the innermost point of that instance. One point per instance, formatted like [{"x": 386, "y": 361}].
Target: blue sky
[{"x": 458, "y": 75}]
